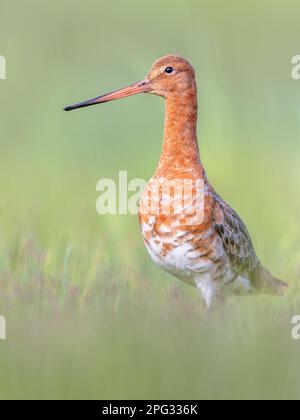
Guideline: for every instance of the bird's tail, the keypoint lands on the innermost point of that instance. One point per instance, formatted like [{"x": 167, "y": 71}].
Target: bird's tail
[{"x": 265, "y": 283}]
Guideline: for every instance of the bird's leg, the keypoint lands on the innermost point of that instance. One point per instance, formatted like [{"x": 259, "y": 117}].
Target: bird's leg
[{"x": 208, "y": 290}]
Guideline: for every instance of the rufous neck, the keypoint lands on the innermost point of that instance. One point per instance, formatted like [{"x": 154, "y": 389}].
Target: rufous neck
[{"x": 180, "y": 152}]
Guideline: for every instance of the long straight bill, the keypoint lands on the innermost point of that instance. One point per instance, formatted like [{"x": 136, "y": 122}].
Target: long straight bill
[{"x": 140, "y": 87}]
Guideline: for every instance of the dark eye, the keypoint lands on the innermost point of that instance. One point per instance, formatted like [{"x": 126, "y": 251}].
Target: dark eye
[{"x": 169, "y": 70}]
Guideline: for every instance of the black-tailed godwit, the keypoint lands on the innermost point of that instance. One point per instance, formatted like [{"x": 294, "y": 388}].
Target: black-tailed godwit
[{"x": 210, "y": 249}]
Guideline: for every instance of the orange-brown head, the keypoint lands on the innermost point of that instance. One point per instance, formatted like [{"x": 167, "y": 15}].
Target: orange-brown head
[{"x": 169, "y": 76}]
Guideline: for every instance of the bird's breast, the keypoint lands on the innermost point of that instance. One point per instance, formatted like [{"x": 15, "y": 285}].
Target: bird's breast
[{"x": 175, "y": 222}]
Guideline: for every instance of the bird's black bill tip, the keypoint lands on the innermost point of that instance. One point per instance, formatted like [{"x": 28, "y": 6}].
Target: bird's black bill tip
[{"x": 80, "y": 105}]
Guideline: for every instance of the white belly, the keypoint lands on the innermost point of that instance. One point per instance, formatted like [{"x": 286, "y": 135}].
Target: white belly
[
  {"x": 199, "y": 272},
  {"x": 178, "y": 261}
]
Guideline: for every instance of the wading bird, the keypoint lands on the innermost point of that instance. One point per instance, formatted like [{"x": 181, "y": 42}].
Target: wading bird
[{"x": 204, "y": 242}]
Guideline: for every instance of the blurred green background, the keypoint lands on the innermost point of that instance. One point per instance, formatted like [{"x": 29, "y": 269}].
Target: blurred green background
[{"x": 88, "y": 314}]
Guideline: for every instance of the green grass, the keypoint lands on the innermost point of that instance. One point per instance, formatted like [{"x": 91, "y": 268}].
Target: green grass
[{"x": 88, "y": 314}]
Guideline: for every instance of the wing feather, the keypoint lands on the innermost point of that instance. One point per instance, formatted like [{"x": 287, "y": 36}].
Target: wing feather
[{"x": 235, "y": 237}]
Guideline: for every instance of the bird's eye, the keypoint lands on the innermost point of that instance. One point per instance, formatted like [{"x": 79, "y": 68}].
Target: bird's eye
[{"x": 168, "y": 70}]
